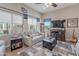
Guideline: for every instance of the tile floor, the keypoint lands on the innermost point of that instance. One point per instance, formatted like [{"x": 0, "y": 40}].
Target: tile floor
[
  {"x": 57, "y": 50},
  {"x": 15, "y": 52}
]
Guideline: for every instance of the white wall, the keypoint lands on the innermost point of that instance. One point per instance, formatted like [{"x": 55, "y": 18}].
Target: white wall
[{"x": 68, "y": 12}]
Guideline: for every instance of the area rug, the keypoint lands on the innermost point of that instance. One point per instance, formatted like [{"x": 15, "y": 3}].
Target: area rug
[{"x": 59, "y": 50}]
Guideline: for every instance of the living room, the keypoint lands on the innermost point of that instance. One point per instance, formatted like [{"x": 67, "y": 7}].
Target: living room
[{"x": 39, "y": 29}]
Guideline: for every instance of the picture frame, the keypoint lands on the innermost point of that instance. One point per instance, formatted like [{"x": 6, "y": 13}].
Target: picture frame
[{"x": 72, "y": 22}]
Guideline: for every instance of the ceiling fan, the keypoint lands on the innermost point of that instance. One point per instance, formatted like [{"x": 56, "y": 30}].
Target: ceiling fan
[{"x": 48, "y": 4}]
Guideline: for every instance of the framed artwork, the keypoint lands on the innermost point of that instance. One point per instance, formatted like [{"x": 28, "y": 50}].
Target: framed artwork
[{"x": 72, "y": 22}]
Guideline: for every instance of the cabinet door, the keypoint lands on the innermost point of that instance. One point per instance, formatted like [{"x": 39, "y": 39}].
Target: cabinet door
[{"x": 62, "y": 36}]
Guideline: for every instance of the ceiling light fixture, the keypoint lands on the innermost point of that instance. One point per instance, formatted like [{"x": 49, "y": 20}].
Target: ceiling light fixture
[{"x": 47, "y": 4}]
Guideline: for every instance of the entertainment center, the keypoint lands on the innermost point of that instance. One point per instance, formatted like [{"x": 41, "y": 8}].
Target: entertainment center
[{"x": 58, "y": 29}]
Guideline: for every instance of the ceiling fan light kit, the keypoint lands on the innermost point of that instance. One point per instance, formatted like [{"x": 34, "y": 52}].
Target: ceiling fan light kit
[
  {"x": 50, "y": 4},
  {"x": 47, "y": 4}
]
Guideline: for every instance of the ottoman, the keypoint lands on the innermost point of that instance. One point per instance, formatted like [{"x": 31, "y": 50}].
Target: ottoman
[{"x": 49, "y": 43}]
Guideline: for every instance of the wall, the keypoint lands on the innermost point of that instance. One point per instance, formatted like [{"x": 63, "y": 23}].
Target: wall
[
  {"x": 17, "y": 7},
  {"x": 65, "y": 13}
]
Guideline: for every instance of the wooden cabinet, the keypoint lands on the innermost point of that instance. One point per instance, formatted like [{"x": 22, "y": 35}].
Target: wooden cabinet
[
  {"x": 58, "y": 29},
  {"x": 16, "y": 43},
  {"x": 61, "y": 35}
]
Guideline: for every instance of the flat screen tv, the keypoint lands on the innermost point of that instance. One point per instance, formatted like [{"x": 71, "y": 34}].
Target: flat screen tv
[{"x": 57, "y": 24}]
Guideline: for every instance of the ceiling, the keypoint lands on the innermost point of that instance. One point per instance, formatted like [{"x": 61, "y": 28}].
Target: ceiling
[{"x": 42, "y": 9}]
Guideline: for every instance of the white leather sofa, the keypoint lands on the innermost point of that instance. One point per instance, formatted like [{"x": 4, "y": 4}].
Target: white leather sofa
[
  {"x": 33, "y": 39},
  {"x": 2, "y": 47}
]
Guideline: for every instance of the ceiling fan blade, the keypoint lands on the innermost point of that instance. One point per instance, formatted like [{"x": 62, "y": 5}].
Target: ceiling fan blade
[{"x": 54, "y": 5}]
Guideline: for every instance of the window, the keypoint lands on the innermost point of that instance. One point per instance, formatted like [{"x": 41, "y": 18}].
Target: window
[
  {"x": 10, "y": 23},
  {"x": 17, "y": 23},
  {"x": 32, "y": 24},
  {"x": 47, "y": 23},
  {"x": 5, "y": 22}
]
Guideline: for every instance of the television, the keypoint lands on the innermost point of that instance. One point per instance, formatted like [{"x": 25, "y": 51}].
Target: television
[{"x": 57, "y": 23}]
